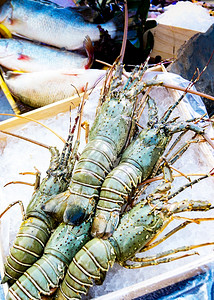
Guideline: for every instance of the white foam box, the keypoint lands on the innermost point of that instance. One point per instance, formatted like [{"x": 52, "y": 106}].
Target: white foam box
[{"x": 133, "y": 283}]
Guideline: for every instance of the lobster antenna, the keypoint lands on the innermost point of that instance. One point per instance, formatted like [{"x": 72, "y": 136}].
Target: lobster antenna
[
  {"x": 168, "y": 113},
  {"x": 30, "y": 119},
  {"x": 26, "y": 139},
  {"x": 192, "y": 82},
  {"x": 181, "y": 189},
  {"x": 118, "y": 59},
  {"x": 96, "y": 83},
  {"x": 179, "y": 88},
  {"x": 11, "y": 205},
  {"x": 150, "y": 180},
  {"x": 125, "y": 32},
  {"x": 68, "y": 144},
  {"x": 81, "y": 111}
]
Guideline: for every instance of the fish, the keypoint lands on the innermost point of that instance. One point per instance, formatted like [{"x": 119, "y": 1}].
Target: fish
[
  {"x": 49, "y": 23},
  {"x": 27, "y": 56},
  {"x": 41, "y": 88},
  {"x": 64, "y": 3}
]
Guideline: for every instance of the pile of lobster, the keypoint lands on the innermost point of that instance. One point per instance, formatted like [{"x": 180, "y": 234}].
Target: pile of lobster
[{"x": 83, "y": 217}]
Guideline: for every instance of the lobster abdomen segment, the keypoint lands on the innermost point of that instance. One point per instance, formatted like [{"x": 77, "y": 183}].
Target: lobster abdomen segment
[
  {"x": 87, "y": 266},
  {"x": 95, "y": 162},
  {"x": 27, "y": 248},
  {"x": 41, "y": 278}
]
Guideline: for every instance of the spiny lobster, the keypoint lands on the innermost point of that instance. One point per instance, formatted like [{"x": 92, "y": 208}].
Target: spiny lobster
[
  {"x": 137, "y": 163},
  {"x": 37, "y": 226},
  {"x": 97, "y": 159},
  {"x": 107, "y": 138},
  {"x": 136, "y": 231}
]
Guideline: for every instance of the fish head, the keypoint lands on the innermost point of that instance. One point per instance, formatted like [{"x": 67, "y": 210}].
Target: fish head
[
  {"x": 6, "y": 10},
  {"x": 3, "y": 47},
  {"x": 10, "y": 49}
]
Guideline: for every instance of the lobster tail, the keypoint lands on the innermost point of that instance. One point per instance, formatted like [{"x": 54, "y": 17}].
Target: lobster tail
[
  {"x": 95, "y": 162},
  {"x": 41, "y": 278},
  {"x": 35, "y": 231},
  {"x": 87, "y": 266},
  {"x": 114, "y": 193},
  {"x": 27, "y": 248}
]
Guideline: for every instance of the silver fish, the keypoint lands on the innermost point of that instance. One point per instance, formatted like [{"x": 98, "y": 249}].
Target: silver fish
[
  {"x": 50, "y": 23},
  {"x": 41, "y": 88},
  {"x": 26, "y": 56}
]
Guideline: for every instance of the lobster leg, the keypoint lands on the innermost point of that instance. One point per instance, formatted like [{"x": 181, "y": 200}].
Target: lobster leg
[
  {"x": 160, "y": 258},
  {"x": 181, "y": 150},
  {"x": 137, "y": 229},
  {"x": 11, "y": 205},
  {"x": 36, "y": 184},
  {"x": 173, "y": 231},
  {"x": 176, "y": 207}
]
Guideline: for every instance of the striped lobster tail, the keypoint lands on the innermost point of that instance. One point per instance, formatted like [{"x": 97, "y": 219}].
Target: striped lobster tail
[
  {"x": 114, "y": 193},
  {"x": 43, "y": 277},
  {"x": 27, "y": 248},
  {"x": 89, "y": 264},
  {"x": 95, "y": 162},
  {"x": 112, "y": 128},
  {"x": 36, "y": 229}
]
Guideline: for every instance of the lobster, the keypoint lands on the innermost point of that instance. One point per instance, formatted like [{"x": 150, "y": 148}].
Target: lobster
[
  {"x": 136, "y": 231},
  {"x": 111, "y": 131},
  {"x": 96, "y": 160},
  {"x": 37, "y": 226},
  {"x": 138, "y": 162},
  {"x": 108, "y": 136}
]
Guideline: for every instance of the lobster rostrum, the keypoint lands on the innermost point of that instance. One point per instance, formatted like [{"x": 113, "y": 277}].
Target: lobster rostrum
[
  {"x": 136, "y": 231},
  {"x": 107, "y": 138},
  {"x": 138, "y": 162},
  {"x": 37, "y": 226}
]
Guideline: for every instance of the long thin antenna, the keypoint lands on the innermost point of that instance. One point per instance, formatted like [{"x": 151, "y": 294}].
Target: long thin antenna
[
  {"x": 26, "y": 139},
  {"x": 30, "y": 119},
  {"x": 81, "y": 111},
  {"x": 125, "y": 32}
]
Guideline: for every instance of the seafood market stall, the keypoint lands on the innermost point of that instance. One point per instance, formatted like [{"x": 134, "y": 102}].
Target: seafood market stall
[
  {"x": 116, "y": 284},
  {"x": 66, "y": 227}
]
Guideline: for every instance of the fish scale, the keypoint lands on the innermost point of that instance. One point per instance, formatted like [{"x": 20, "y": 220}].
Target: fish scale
[{"x": 26, "y": 56}]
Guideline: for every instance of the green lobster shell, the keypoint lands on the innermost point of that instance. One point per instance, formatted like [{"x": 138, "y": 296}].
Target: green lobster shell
[
  {"x": 36, "y": 229},
  {"x": 137, "y": 228},
  {"x": 107, "y": 138},
  {"x": 43, "y": 277},
  {"x": 137, "y": 164}
]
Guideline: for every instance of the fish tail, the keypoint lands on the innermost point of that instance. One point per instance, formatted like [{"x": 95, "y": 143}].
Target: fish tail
[{"x": 87, "y": 44}]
